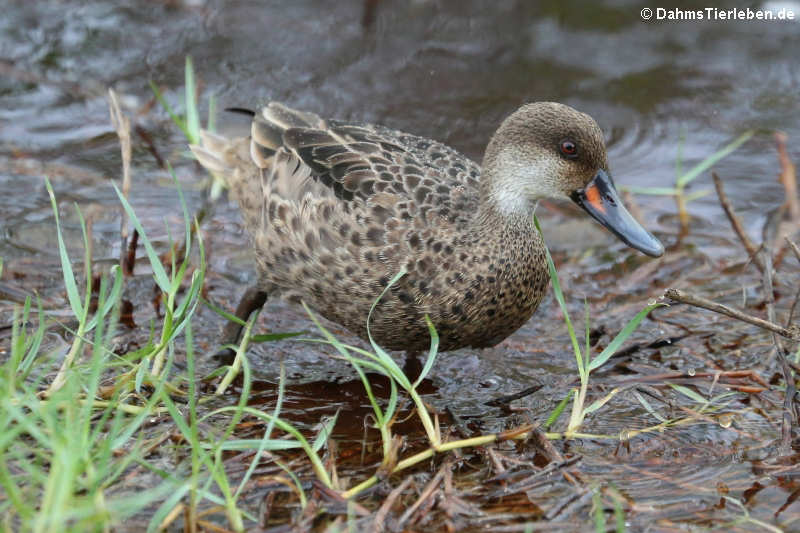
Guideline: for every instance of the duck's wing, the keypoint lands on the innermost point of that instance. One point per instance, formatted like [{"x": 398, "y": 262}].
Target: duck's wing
[
  {"x": 327, "y": 200},
  {"x": 357, "y": 162}
]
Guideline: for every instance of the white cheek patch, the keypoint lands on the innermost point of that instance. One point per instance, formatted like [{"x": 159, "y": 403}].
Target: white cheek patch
[{"x": 521, "y": 179}]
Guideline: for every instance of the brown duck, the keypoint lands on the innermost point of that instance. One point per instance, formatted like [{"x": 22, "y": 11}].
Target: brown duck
[{"x": 336, "y": 209}]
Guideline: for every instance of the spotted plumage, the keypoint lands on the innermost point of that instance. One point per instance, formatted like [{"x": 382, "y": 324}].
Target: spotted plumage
[{"x": 336, "y": 209}]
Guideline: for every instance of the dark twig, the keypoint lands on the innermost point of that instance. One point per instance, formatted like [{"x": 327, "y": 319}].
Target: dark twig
[
  {"x": 503, "y": 401},
  {"x": 792, "y": 332},
  {"x": 736, "y": 223},
  {"x": 793, "y": 308},
  {"x": 789, "y": 412},
  {"x": 427, "y": 492},
  {"x": 379, "y": 522},
  {"x": 151, "y": 146},
  {"x": 130, "y": 258}
]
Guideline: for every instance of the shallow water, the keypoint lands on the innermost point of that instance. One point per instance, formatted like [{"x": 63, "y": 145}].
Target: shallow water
[{"x": 447, "y": 70}]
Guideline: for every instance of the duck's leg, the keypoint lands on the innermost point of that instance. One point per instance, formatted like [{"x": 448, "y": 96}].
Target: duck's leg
[
  {"x": 412, "y": 367},
  {"x": 252, "y": 299}
]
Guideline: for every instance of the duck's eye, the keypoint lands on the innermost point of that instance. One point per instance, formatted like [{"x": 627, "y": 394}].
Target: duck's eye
[{"x": 569, "y": 149}]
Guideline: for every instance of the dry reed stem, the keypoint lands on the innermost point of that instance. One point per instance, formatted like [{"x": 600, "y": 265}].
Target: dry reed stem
[
  {"x": 736, "y": 223},
  {"x": 788, "y": 177},
  {"x": 122, "y": 125}
]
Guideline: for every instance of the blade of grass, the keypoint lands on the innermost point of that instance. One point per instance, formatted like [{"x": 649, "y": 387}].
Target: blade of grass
[
  {"x": 73, "y": 296},
  {"x": 559, "y": 295},
  {"x": 558, "y": 410},
  {"x": 324, "y": 432},
  {"x": 159, "y": 273},
  {"x": 192, "y": 115},
  {"x": 622, "y": 336},
  {"x": 713, "y": 159},
  {"x": 434, "y": 349}
]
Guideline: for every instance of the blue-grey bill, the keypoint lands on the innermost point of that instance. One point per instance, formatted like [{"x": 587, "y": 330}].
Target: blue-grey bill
[{"x": 600, "y": 199}]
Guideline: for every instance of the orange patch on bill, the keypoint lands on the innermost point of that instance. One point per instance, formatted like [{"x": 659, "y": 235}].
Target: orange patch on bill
[{"x": 594, "y": 199}]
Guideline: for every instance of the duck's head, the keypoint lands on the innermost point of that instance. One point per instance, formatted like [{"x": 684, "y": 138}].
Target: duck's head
[{"x": 550, "y": 150}]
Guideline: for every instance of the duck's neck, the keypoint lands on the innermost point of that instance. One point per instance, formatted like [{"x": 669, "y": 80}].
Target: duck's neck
[{"x": 507, "y": 180}]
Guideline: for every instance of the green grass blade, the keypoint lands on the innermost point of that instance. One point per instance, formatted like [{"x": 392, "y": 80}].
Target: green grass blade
[
  {"x": 713, "y": 159},
  {"x": 187, "y": 220},
  {"x": 679, "y": 155},
  {"x": 73, "y": 295},
  {"x": 652, "y": 191},
  {"x": 169, "y": 504},
  {"x": 192, "y": 115},
  {"x": 648, "y": 407},
  {"x": 391, "y": 407},
  {"x": 434, "y": 349},
  {"x": 356, "y": 363},
  {"x": 558, "y": 410},
  {"x": 614, "y": 345},
  {"x": 159, "y": 273},
  {"x": 36, "y": 342},
  {"x": 212, "y": 112},
  {"x": 223, "y": 313},
  {"x": 598, "y": 512},
  {"x": 697, "y": 195},
  {"x": 385, "y": 358},
  {"x": 588, "y": 352},
  {"x": 324, "y": 433},
  {"x": 689, "y": 393},
  {"x": 271, "y": 445},
  {"x": 270, "y": 337},
  {"x": 172, "y": 115},
  {"x": 551, "y": 268}
]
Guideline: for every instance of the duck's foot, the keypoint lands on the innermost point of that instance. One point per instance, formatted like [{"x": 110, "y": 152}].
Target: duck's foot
[
  {"x": 224, "y": 356},
  {"x": 252, "y": 299}
]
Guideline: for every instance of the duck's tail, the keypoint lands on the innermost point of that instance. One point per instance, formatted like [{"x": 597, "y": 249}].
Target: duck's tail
[
  {"x": 224, "y": 156},
  {"x": 240, "y": 160},
  {"x": 268, "y": 128}
]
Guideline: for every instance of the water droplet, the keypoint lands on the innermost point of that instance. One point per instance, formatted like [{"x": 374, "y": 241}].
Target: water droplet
[
  {"x": 691, "y": 371},
  {"x": 725, "y": 420}
]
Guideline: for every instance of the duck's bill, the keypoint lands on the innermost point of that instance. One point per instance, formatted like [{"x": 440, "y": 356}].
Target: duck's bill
[{"x": 600, "y": 199}]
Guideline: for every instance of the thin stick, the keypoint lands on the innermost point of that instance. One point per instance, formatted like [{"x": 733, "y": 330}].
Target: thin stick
[
  {"x": 792, "y": 332},
  {"x": 793, "y": 308},
  {"x": 427, "y": 492},
  {"x": 736, "y": 223},
  {"x": 789, "y": 412},
  {"x": 788, "y": 176},
  {"x": 794, "y": 247},
  {"x": 379, "y": 522},
  {"x": 796, "y": 251}
]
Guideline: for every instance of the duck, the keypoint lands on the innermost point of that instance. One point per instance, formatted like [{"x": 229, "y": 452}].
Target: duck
[{"x": 336, "y": 209}]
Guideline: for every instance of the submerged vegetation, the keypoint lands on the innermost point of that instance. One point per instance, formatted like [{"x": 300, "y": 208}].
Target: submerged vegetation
[{"x": 93, "y": 434}]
